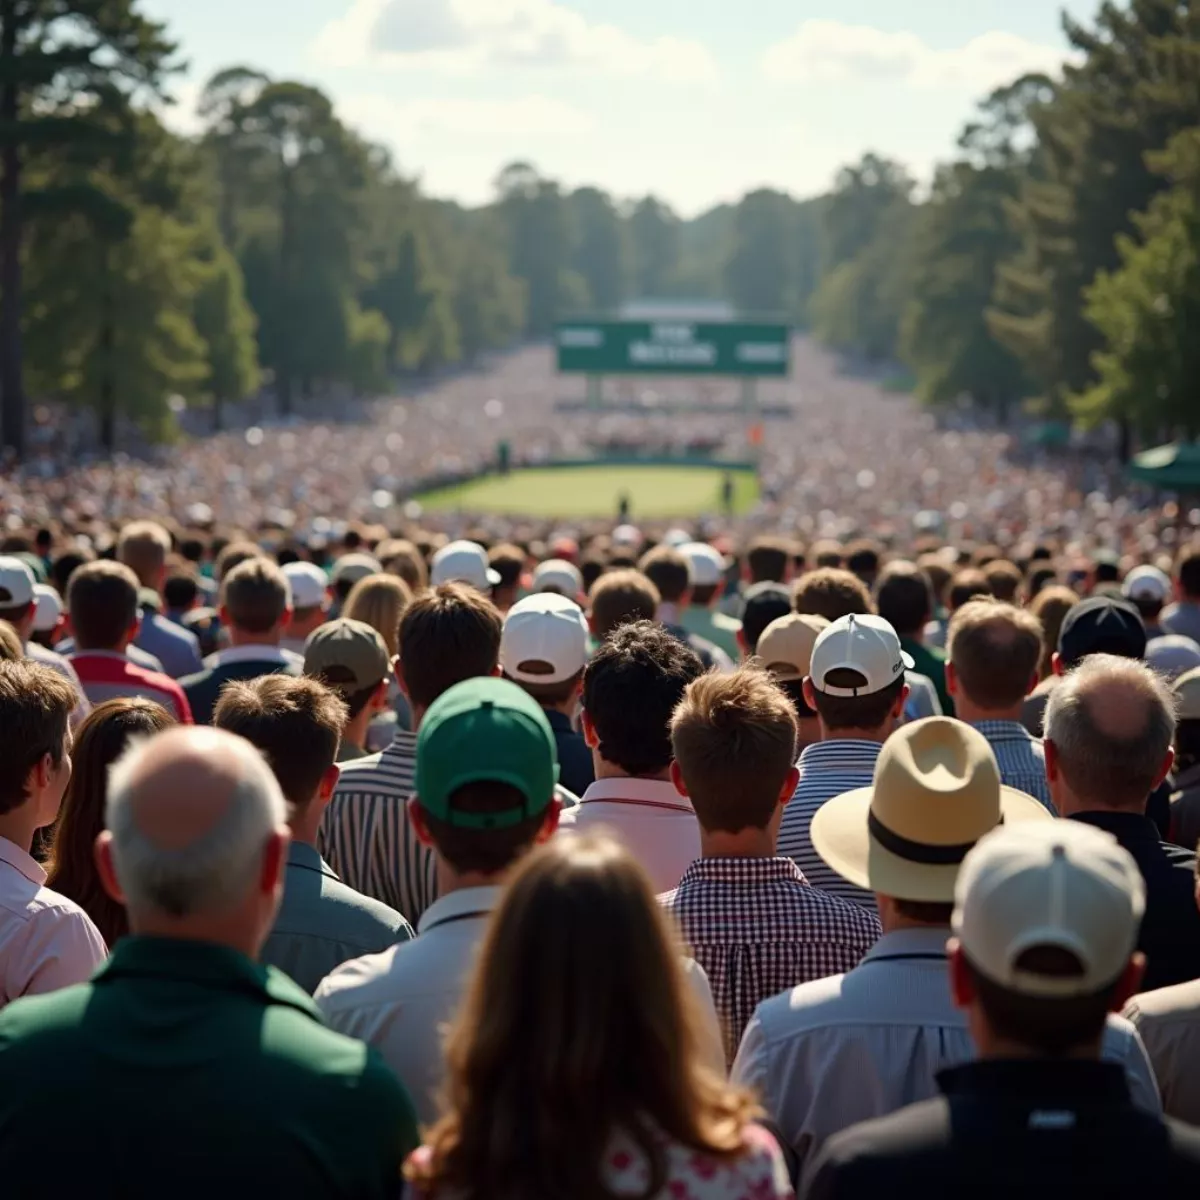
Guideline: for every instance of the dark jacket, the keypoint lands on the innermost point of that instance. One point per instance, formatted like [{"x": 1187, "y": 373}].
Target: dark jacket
[
  {"x": 576, "y": 772},
  {"x": 183, "y": 1069},
  {"x": 1004, "y": 1129},
  {"x": 1170, "y": 933},
  {"x": 204, "y": 690}
]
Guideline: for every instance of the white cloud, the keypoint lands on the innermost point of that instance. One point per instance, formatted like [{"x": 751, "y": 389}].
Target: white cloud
[
  {"x": 459, "y": 36},
  {"x": 181, "y": 117},
  {"x": 822, "y": 51},
  {"x": 405, "y": 122}
]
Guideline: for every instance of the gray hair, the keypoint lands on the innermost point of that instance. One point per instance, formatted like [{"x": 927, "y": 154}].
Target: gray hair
[
  {"x": 1102, "y": 766},
  {"x": 213, "y": 873}
]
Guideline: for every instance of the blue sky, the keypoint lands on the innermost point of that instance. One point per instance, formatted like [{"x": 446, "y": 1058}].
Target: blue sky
[{"x": 696, "y": 101}]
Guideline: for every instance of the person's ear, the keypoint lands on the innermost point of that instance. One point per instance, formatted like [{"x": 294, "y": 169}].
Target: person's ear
[
  {"x": 962, "y": 986},
  {"x": 274, "y": 861},
  {"x": 1052, "y": 767},
  {"x": 379, "y": 701},
  {"x": 550, "y": 824},
  {"x": 102, "y": 854},
  {"x": 743, "y": 643},
  {"x": 1056, "y": 664},
  {"x": 329, "y": 782},
  {"x": 789, "y": 786},
  {"x": 416, "y": 818},
  {"x": 497, "y": 671},
  {"x": 810, "y": 694},
  {"x": 1165, "y": 769},
  {"x": 901, "y": 701},
  {"x": 590, "y": 736},
  {"x": 286, "y": 619},
  {"x": 1031, "y": 687},
  {"x": 398, "y": 671},
  {"x": 42, "y": 772},
  {"x": 677, "y": 778},
  {"x": 1130, "y": 982},
  {"x": 223, "y": 616},
  {"x": 951, "y": 679}
]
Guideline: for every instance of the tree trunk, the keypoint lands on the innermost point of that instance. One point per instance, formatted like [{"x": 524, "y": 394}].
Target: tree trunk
[
  {"x": 284, "y": 370},
  {"x": 107, "y": 401},
  {"x": 12, "y": 390},
  {"x": 1124, "y": 440}
]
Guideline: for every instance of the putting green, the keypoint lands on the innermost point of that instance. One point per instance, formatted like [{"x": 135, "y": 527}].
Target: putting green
[{"x": 596, "y": 491}]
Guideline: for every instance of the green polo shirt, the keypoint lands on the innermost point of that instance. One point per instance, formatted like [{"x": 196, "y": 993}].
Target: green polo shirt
[
  {"x": 932, "y": 664},
  {"x": 183, "y": 1069},
  {"x": 714, "y": 627}
]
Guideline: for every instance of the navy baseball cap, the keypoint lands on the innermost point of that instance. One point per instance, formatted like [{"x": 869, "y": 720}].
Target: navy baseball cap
[{"x": 1101, "y": 625}]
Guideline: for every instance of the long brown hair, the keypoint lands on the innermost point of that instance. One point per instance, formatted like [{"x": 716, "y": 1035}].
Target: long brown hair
[
  {"x": 99, "y": 742},
  {"x": 577, "y": 1024}
]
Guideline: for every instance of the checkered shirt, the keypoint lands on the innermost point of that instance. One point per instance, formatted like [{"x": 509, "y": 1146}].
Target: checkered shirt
[
  {"x": 758, "y": 928},
  {"x": 1021, "y": 758}
]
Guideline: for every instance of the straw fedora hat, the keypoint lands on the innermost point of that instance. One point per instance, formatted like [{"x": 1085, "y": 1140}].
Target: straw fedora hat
[{"x": 937, "y": 791}]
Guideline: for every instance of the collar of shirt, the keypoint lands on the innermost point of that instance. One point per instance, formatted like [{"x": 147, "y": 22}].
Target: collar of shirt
[
  {"x": 301, "y": 854},
  {"x": 910, "y": 943},
  {"x": 648, "y": 793},
  {"x": 114, "y": 655},
  {"x": 465, "y": 904},
  {"x": 1126, "y": 827},
  {"x": 1004, "y": 731},
  {"x": 839, "y": 754},
  {"x": 1044, "y": 1083},
  {"x": 742, "y": 871},
  {"x": 257, "y": 654},
  {"x": 12, "y": 854},
  {"x": 203, "y": 964}
]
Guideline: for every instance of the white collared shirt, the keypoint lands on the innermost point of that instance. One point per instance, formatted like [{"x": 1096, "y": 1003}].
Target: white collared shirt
[
  {"x": 256, "y": 654},
  {"x": 47, "y": 942},
  {"x": 655, "y": 823},
  {"x": 401, "y": 1000},
  {"x": 832, "y": 1053}
]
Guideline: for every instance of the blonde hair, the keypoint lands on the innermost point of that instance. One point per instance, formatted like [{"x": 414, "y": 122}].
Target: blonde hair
[
  {"x": 577, "y": 1024},
  {"x": 380, "y": 601},
  {"x": 734, "y": 738},
  {"x": 1051, "y": 606},
  {"x": 143, "y": 547},
  {"x": 995, "y": 648}
]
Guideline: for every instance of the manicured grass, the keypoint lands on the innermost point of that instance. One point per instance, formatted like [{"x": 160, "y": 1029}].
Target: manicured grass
[{"x": 586, "y": 491}]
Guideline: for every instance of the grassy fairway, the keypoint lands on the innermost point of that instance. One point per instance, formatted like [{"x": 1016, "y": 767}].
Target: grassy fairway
[{"x": 654, "y": 491}]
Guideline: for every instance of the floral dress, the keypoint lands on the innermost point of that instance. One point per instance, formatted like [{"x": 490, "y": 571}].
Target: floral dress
[{"x": 756, "y": 1174}]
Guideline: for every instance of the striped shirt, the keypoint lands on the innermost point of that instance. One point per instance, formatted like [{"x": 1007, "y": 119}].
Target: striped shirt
[
  {"x": 366, "y": 837},
  {"x": 758, "y": 928},
  {"x": 1021, "y": 758},
  {"x": 827, "y": 769}
]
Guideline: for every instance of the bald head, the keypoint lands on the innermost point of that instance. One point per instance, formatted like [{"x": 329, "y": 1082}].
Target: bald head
[
  {"x": 1111, "y": 721},
  {"x": 190, "y": 813}
]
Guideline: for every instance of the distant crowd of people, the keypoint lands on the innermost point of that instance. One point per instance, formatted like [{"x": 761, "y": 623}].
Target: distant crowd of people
[{"x": 614, "y": 865}]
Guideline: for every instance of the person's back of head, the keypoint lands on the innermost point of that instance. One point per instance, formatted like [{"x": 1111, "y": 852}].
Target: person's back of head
[
  {"x": 864, "y": 559},
  {"x": 578, "y": 937},
  {"x": 993, "y": 651},
  {"x": 1045, "y": 927},
  {"x": 18, "y": 600},
  {"x": 380, "y": 601},
  {"x": 508, "y": 561},
  {"x": 938, "y": 573},
  {"x": 764, "y": 604},
  {"x": 102, "y": 600},
  {"x": 101, "y": 739},
  {"x": 630, "y": 690},
  {"x": 400, "y": 557},
  {"x": 256, "y": 600},
  {"x": 66, "y": 564},
  {"x": 143, "y": 547},
  {"x": 669, "y": 571},
  {"x": 734, "y": 739},
  {"x": 447, "y": 634},
  {"x": 1100, "y": 625},
  {"x": 296, "y": 725},
  {"x": 620, "y": 597},
  {"x": 1004, "y": 578},
  {"x": 181, "y": 593},
  {"x": 769, "y": 560},
  {"x": 966, "y": 585},
  {"x": 832, "y": 593},
  {"x": 351, "y": 659},
  {"x": 1051, "y": 606},
  {"x": 904, "y": 598},
  {"x": 232, "y": 555},
  {"x": 486, "y": 771},
  {"x": 11, "y": 649},
  {"x": 1110, "y": 723},
  {"x": 1187, "y": 574},
  {"x": 826, "y": 553},
  {"x": 195, "y": 839},
  {"x": 544, "y": 648}
]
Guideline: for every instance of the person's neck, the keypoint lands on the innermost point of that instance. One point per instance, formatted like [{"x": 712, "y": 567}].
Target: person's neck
[
  {"x": 306, "y": 821},
  {"x": 355, "y": 732},
  {"x": 566, "y": 708},
  {"x": 450, "y": 880},
  {"x": 1070, "y": 805},
  {"x": 916, "y": 636},
  {"x": 243, "y": 637},
  {"x": 891, "y": 921},
  {"x": 879, "y": 735},
  {"x": 746, "y": 843},
  {"x": 18, "y": 825},
  {"x": 809, "y": 733},
  {"x": 222, "y": 931},
  {"x": 967, "y": 710},
  {"x": 993, "y": 1048},
  {"x": 606, "y": 770}
]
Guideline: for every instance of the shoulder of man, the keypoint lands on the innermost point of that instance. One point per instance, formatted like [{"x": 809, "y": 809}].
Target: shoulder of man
[
  {"x": 54, "y": 1015},
  {"x": 373, "y": 921},
  {"x": 808, "y": 1008}
]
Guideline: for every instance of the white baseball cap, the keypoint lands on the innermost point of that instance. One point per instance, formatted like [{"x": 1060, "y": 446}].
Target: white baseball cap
[
  {"x": 675, "y": 538},
  {"x": 860, "y": 642},
  {"x": 546, "y": 631},
  {"x": 350, "y": 568},
  {"x": 627, "y": 536},
  {"x": 16, "y": 583},
  {"x": 557, "y": 575},
  {"x": 707, "y": 564},
  {"x": 1172, "y": 655},
  {"x": 463, "y": 562},
  {"x": 309, "y": 584},
  {"x": 1049, "y": 883},
  {"x": 49, "y": 609},
  {"x": 1146, "y": 583}
]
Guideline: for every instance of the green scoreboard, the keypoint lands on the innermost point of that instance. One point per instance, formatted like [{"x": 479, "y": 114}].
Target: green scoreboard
[{"x": 739, "y": 350}]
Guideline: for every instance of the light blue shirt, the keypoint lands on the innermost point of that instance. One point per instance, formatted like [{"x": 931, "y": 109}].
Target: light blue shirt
[{"x": 177, "y": 649}]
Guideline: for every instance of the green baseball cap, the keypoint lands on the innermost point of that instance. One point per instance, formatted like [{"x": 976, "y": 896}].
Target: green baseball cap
[{"x": 485, "y": 729}]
